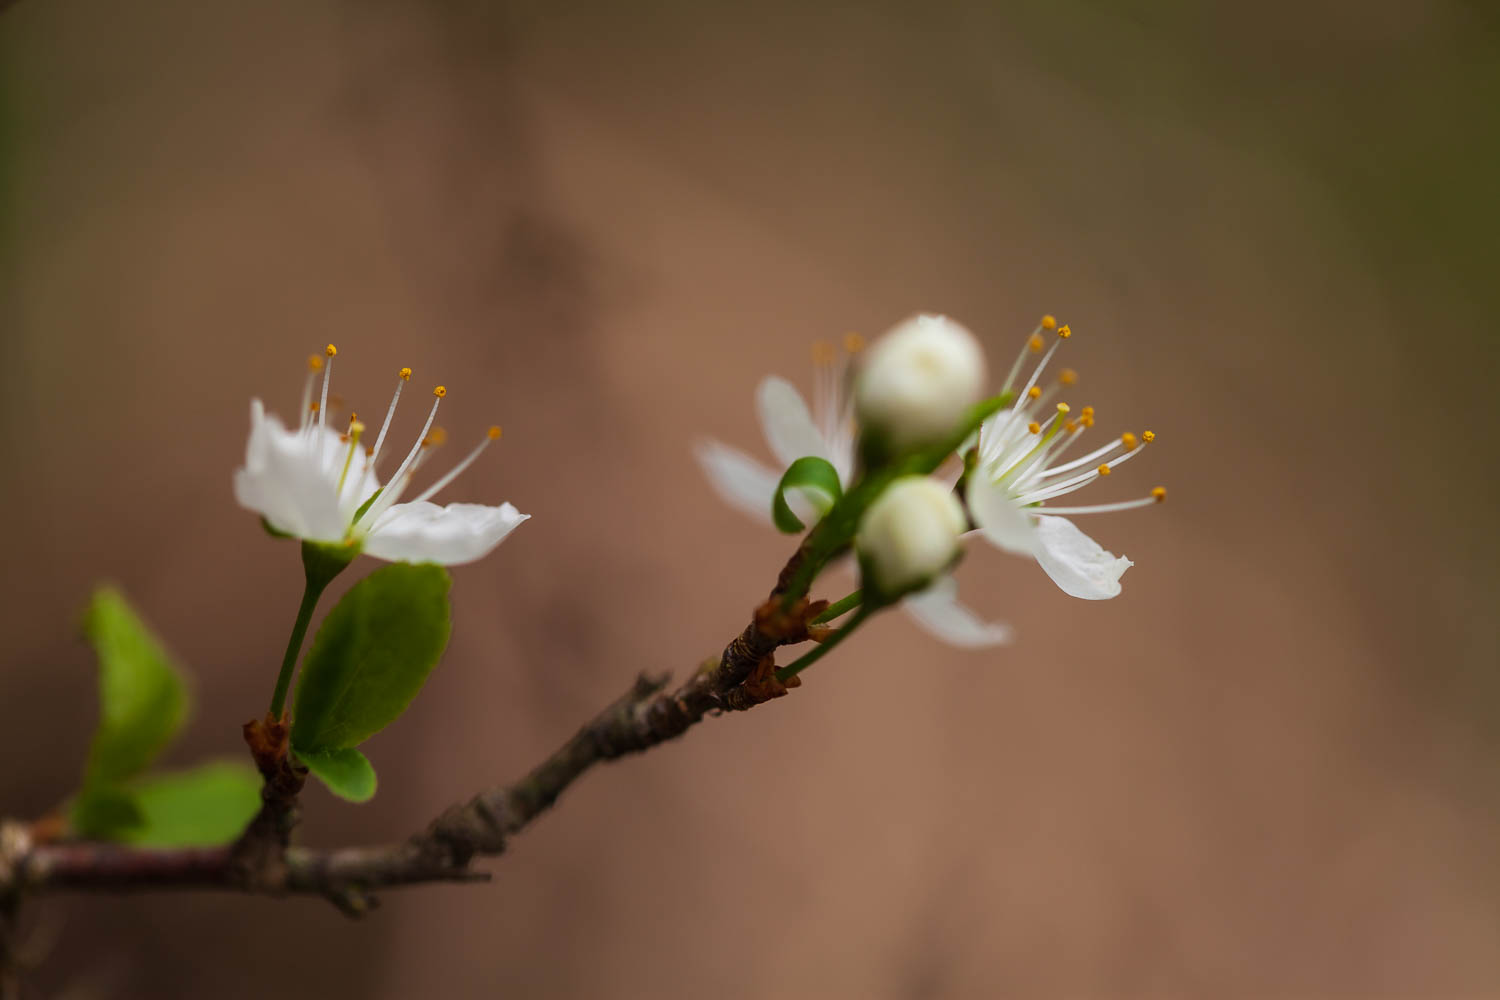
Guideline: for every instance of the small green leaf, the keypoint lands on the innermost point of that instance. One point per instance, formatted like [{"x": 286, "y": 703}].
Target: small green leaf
[
  {"x": 142, "y": 698},
  {"x": 103, "y": 813},
  {"x": 819, "y": 483},
  {"x": 207, "y": 805},
  {"x": 347, "y": 772},
  {"x": 371, "y": 656}
]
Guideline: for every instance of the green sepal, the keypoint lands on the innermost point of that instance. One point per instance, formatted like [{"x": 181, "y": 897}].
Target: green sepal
[
  {"x": 322, "y": 561},
  {"x": 346, "y": 772},
  {"x": 815, "y": 477}
]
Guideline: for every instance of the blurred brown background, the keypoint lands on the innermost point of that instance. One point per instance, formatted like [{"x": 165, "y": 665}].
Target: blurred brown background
[{"x": 1268, "y": 769}]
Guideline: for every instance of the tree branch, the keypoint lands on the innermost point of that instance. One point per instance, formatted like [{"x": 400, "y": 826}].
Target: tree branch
[{"x": 262, "y": 861}]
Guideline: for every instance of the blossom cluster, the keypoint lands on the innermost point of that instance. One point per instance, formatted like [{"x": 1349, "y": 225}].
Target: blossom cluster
[
  {"x": 872, "y": 408},
  {"x": 912, "y": 387}
]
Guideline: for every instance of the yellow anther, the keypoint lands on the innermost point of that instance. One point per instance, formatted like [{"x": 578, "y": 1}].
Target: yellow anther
[
  {"x": 1103, "y": 470},
  {"x": 1068, "y": 377},
  {"x": 1070, "y": 425},
  {"x": 1086, "y": 419},
  {"x": 494, "y": 433},
  {"x": 823, "y": 353},
  {"x": 1087, "y": 411},
  {"x": 1035, "y": 344},
  {"x": 1064, "y": 331},
  {"x": 314, "y": 363},
  {"x": 440, "y": 391},
  {"x": 330, "y": 350},
  {"x": 1035, "y": 392},
  {"x": 1159, "y": 494},
  {"x": 1064, "y": 408},
  {"x": 1034, "y": 427},
  {"x": 1049, "y": 323},
  {"x": 404, "y": 374},
  {"x": 1129, "y": 441},
  {"x": 314, "y": 407},
  {"x": 435, "y": 438},
  {"x": 1148, "y": 436},
  {"x": 853, "y": 343}
]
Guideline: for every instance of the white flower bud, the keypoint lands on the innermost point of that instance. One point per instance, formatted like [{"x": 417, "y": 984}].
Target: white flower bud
[
  {"x": 918, "y": 380},
  {"x": 910, "y": 533}
]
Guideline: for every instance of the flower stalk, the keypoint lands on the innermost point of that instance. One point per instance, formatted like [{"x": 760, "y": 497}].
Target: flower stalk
[{"x": 320, "y": 564}]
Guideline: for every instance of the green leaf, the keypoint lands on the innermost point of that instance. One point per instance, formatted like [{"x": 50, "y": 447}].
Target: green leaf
[
  {"x": 207, "y": 805},
  {"x": 347, "y": 772},
  {"x": 103, "y": 813},
  {"x": 142, "y": 698},
  {"x": 817, "y": 479},
  {"x": 371, "y": 656}
]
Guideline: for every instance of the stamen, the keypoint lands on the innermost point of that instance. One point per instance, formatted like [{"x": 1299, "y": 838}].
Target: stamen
[
  {"x": 330, "y": 350},
  {"x": 1067, "y": 377},
  {"x": 823, "y": 353},
  {"x": 402, "y": 377},
  {"x": 853, "y": 343},
  {"x": 355, "y": 430},
  {"x": 313, "y": 364},
  {"x": 1148, "y": 436},
  {"x": 1034, "y": 427},
  {"x": 393, "y": 489},
  {"x": 1105, "y": 508},
  {"x": 1049, "y": 323},
  {"x": 1064, "y": 331},
  {"x": 1035, "y": 344},
  {"x": 493, "y": 434},
  {"x": 1159, "y": 494},
  {"x": 1104, "y": 470},
  {"x": 1034, "y": 391},
  {"x": 1129, "y": 441}
]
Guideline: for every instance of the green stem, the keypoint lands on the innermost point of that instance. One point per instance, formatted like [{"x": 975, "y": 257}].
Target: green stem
[
  {"x": 320, "y": 564},
  {"x": 310, "y": 595},
  {"x": 839, "y": 607},
  {"x": 823, "y": 648}
]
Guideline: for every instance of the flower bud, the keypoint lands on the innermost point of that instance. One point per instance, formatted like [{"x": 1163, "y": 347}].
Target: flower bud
[
  {"x": 910, "y": 534},
  {"x": 918, "y": 380}
]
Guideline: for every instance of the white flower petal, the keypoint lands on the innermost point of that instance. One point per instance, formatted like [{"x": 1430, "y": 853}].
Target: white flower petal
[
  {"x": 1004, "y": 523},
  {"x": 938, "y": 611},
  {"x": 290, "y": 477},
  {"x": 788, "y": 426},
  {"x": 1077, "y": 563},
  {"x": 451, "y": 535},
  {"x": 740, "y": 480}
]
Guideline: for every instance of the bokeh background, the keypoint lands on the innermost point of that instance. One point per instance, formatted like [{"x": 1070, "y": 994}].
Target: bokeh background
[{"x": 1268, "y": 769}]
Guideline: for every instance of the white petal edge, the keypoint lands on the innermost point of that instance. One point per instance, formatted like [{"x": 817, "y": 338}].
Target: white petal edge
[
  {"x": 740, "y": 481},
  {"x": 451, "y": 536},
  {"x": 939, "y": 612},
  {"x": 1079, "y": 565},
  {"x": 787, "y": 423},
  {"x": 290, "y": 482},
  {"x": 1004, "y": 523}
]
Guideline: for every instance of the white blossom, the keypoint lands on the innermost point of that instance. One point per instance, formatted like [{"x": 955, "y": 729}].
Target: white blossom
[
  {"x": 1021, "y": 468},
  {"x": 318, "y": 484},
  {"x": 909, "y": 535},
  {"x": 919, "y": 379},
  {"x": 826, "y": 429}
]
